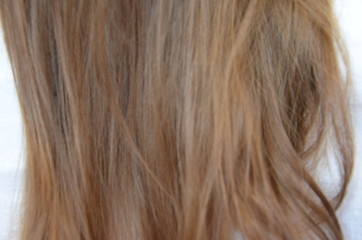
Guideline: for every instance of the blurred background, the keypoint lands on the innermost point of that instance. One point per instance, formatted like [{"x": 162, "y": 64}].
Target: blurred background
[{"x": 349, "y": 14}]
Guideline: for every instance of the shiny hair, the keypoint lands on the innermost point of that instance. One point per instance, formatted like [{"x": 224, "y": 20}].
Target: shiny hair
[{"x": 179, "y": 119}]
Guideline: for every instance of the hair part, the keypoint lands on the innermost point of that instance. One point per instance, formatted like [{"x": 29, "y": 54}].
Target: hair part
[{"x": 179, "y": 119}]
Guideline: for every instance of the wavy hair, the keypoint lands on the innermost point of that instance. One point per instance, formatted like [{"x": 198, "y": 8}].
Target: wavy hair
[{"x": 179, "y": 119}]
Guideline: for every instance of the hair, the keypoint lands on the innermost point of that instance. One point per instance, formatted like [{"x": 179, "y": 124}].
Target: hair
[{"x": 179, "y": 119}]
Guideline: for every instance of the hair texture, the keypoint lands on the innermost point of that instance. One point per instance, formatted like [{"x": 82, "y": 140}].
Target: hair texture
[{"x": 179, "y": 119}]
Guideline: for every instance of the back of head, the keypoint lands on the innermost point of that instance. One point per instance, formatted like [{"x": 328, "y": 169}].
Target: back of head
[{"x": 178, "y": 119}]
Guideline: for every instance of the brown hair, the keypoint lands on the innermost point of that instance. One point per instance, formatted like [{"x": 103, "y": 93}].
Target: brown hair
[{"x": 179, "y": 119}]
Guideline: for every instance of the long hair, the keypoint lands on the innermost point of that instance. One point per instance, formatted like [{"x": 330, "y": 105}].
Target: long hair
[{"x": 179, "y": 119}]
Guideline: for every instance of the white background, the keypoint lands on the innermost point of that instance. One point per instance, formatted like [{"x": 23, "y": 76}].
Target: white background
[{"x": 349, "y": 13}]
